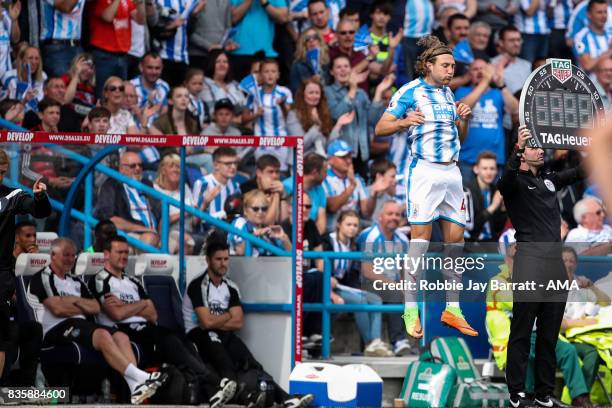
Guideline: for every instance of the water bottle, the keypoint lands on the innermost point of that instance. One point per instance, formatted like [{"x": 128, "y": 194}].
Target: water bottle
[{"x": 106, "y": 391}]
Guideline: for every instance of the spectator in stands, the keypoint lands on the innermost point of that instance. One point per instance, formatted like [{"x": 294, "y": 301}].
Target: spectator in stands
[
  {"x": 591, "y": 236},
  {"x": 61, "y": 27},
  {"x": 129, "y": 209},
  {"x": 384, "y": 44},
  {"x": 219, "y": 83},
  {"x": 177, "y": 120},
  {"x": 122, "y": 121},
  {"x": 10, "y": 26},
  {"x": 125, "y": 305},
  {"x": 12, "y": 110},
  {"x": 130, "y": 103},
  {"x": 151, "y": 89},
  {"x": 344, "y": 96},
  {"x": 70, "y": 121},
  {"x": 66, "y": 301},
  {"x": 267, "y": 179},
  {"x": 303, "y": 68},
  {"x": 384, "y": 237},
  {"x": 167, "y": 182},
  {"x": 211, "y": 318},
  {"x": 532, "y": 21},
  {"x": 99, "y": 120},
  {"x": 384, "y": 184},
  {"x": 496, "y": 13},
  {"x": 315, "y": 171},
  {"x": 487, "y": 203},
  {"x": 103, "y": 232},
  {"x": 253, "y": 221},
  {"x": 111, "y": 37},
  {"x": 25, "y": 238},
  {"x": 173, "y": 49},
  {"x": 344, "y": 189},
  {"x": 516, "y": 69},
  {"x": 319, "y": 18},
  {"x": 458, "y": 26},
  {"x": 418, "y": 23},
  {"x": 369, "y": 324},
  {"x": 49, "y": 114},
  {"x": 346, "y": 47},
  {"x": 212, "y": 26},
  {"x": 476, "y": 42},
  {"x": 211, "y": 191},
  {"x": 222, "y": 120},
  {"x": 489, "y": 98},
  {"x": 80, "y": 83},
  {"x": 603, "y": 81},
  {"x": 311, "y": 118},
  {"x": 254, "y": 22},
  {"x": 559, "y": 15},
  {"x": 579, "y": 19},
  {"x": 591, "y": 44},
  {"x": 26, "y": 81},
  {"x": 194, "y": 82},
  {"x": 270, "y": 119}
]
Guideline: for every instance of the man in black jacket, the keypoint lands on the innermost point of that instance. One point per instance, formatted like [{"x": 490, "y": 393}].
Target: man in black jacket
[
  {"x": 530, "y": 197},
  {"x": 13, "y": 202},
  {"x": 487, "y": 202}
]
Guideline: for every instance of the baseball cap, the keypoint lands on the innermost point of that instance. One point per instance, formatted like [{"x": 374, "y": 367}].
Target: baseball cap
[
  {"x": 339, "y": 148},
  {"x": 224, "y": 103}
]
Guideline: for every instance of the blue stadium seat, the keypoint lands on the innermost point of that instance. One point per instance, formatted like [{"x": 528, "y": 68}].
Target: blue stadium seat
[{"x": 165, "y": 295}]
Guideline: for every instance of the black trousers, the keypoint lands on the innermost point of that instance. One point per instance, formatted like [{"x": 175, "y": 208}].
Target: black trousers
[
  {"x": 173, "y": 350},
  {"x": 174, "y": 72},
  {"x": 230, "y": 357},
  {"x": 25, "y": 340},
  {"x": 546, "y": 311}
]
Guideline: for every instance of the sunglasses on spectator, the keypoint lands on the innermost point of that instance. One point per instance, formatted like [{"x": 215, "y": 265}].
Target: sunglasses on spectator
[
  {"x": 132, "y": 165},
  {"x": 349, "y": 32},
  {"x": 308, "y": 206},
  {"x": 113, "y": 88},
  {"x": 259, "y": 209},
  {"x": 228, "y": 163},
  {"x": 311, "y": 37}
]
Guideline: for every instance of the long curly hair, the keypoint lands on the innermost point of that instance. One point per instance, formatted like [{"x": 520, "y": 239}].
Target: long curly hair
[
  {"x": 433, "y": 48},
  {"x": 303, "y": 111}
]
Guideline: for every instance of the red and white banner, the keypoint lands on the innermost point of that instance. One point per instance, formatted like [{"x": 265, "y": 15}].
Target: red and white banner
[{"x": 148, "y": 140}]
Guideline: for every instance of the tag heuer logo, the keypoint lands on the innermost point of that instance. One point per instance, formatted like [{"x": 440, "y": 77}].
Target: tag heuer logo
[{"x": 561, "y": 69}]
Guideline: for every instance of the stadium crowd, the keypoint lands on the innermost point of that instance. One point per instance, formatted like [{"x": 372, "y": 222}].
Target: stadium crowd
[{"x": 321, "y": 69}]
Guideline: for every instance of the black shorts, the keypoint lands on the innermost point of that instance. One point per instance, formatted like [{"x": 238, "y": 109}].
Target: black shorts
[
  {"x": 74, "y": 329},
  {"x": 5, "y": 323},
  {"x": 144, "y": 333}
]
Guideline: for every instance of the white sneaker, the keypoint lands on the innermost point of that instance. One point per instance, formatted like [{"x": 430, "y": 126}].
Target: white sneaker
[
  {"x": 402, "y": 348},
  {"x": 227, "y": 390},
  {"x": 377, "y": 348}
]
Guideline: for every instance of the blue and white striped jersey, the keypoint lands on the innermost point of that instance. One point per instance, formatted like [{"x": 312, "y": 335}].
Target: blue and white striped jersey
[
  {"x": 162, "y": 90},
  {"x": 15, "y": 89},
  {"x": 335, "y": 6},
  {"x": 399, "y": 151},
  {"x": 5, "y": 42},
  {"x": 244, "y": 225},
  {"x": 334, "y": 185},
  {"x": 371, "y": 240},
  {"x": 579, "y": 20},
  {"x": 561, "y": 14},
  {"x": 272, "y": 122},
  {"x": 340, "y": 266},
  {"x": 175, "y": 48},
  {"x": 535, "y": 24},
  {"x": 139, "y": 207},
  {"x": 591, "y": 43},
  {"x": 198, "y": 109},
  {"x": 57, "y": 25},
  {"x": 437, "y": 140},
  {"x": 209, "y": 181},
  {"x": 419, "y": 18}
]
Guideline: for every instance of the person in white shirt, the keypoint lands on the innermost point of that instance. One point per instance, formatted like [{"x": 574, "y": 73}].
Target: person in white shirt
[{"x": 591, "y": 236}]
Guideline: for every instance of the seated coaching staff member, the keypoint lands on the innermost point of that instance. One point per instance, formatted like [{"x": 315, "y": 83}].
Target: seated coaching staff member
[
  {"x": 530, "y": 196},
  {"x": 126, "y": 306},
  {"x": 13, "y": 202},
  {"x": 66, "y": 302}
]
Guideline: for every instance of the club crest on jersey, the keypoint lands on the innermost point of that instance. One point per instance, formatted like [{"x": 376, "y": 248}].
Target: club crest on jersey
[
  {"x": 549, "y": 185},
  {"x": 562, "y": 69}
]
